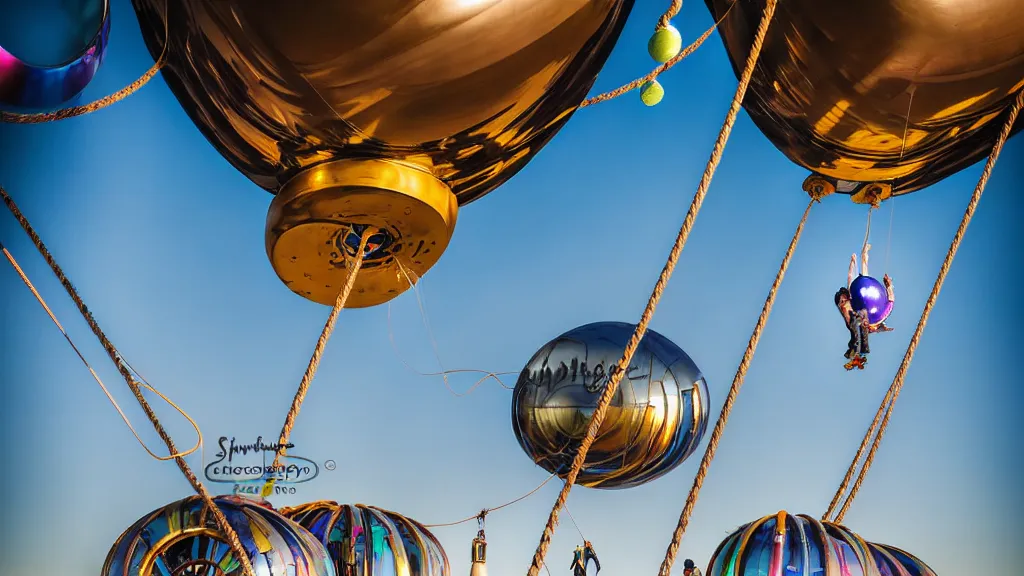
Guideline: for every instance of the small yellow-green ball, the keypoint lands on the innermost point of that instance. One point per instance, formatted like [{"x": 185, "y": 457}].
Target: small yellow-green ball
[
  {"x": 651, "y": 93},
  {"x": 665, "y": 44}
]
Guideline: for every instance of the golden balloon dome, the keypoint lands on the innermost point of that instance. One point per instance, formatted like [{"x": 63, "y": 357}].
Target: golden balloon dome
[
  {"x": 378, "y": 117},
  {"x": 905, "y": 92}
]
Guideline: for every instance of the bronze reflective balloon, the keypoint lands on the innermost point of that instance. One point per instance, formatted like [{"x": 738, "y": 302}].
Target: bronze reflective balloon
[
  {"x": 384, "y": 115},
  {"x": 835, "y": 82},
  {"x": 656, "y": 419}
]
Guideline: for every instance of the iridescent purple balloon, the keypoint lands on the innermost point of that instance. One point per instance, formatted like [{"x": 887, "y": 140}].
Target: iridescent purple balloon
[
  {"x": 50, "y": 50},
  {"x": 869, "y": 294}
]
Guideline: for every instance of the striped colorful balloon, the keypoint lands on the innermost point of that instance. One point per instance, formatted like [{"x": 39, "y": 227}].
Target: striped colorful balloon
[
  {"x": 365, "y": 540},
  {"x": 792, "y": 545},
  {"x": 182, "y": 539}
]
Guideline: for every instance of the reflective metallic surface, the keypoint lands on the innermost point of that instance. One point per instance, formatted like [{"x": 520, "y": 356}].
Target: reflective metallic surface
[
  {"x": 835, "y": 81},
  {"x": 792, "y": 545},
  {"x": 867, "y": 293},
  {"x": 371, "y": 541},
  {"x": 50, "y": 50},
  {"x": 656, "y": 420},
  {"x": 464, "y": 92},
  {"x": 895, "y": 562},
  {"x": 181, "y": 539}
]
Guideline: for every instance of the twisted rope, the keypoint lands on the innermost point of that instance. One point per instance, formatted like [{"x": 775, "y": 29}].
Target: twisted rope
[
  {"x": 882, "y": 422},
  {"x": 133, "y": 385},
  {"x": 314, "y": 361},
  {"x": 730, "y": 399},
  {"x": 659, "y": 288},
  {"x": 658, "y": 70}
]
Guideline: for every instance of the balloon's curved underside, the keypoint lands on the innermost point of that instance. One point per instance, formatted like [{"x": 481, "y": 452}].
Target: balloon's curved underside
[
  {"x": 468, "y": 91},
  {"x": 835, "y": 82}
]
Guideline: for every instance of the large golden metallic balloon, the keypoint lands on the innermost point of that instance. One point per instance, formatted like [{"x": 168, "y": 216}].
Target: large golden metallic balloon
[
  {"x": 839, "y": 83},
  {"x": 379, "y": 115}
]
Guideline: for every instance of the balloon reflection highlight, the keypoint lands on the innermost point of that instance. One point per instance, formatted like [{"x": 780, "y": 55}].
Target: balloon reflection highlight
[
  {"x": 656, "y": 419},
  {"x": 384, "y": 116},
  {"x": 182, "y": 539},
  {"x": 898, "y": 91},
  {"x": 370, "y": 541},
  {"x": 867, "y": 293},
  {"x": 798, "y": 545}
]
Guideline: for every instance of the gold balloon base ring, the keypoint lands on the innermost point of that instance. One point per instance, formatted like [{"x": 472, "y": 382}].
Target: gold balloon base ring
[
  {"x": 317, "y": 221},
  {"x": 873, "y": 193}
]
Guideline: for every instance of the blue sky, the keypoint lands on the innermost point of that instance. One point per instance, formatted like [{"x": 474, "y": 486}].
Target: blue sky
[{"x": 165, "y": 242}]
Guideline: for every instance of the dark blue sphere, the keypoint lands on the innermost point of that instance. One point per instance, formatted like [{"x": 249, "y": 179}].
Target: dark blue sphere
[{"x": 869, "y": 294}]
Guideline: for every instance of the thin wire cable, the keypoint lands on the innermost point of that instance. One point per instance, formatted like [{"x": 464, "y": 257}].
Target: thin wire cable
[
  {"x": 867, "y": 240},
  {"x": 126, "y": 372},
  {"x": 96, "y": 377},
  {"x": 486, "y": 511},
  {"x": 659, "y": 288},
  {"x": 584, "y": 538},
  {"x": 888, "y": 242},
  {"x": 414, "y": 284},
  {"x": 880, "y": 421},
  {"x": 892, "y": 199}
]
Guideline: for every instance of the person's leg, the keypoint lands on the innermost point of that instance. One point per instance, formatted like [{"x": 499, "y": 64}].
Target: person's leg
[
  {"x": 854, "y": 345},
  {"x": 864, "y": 347}
]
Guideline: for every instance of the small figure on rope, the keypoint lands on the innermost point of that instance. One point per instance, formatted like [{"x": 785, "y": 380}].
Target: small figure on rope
[
  {"x": 581, "y": 557},
  {"x": 865, "y": 304},
  {"x": 689, "y": 569},
  {"x": 857, "y": 324}
]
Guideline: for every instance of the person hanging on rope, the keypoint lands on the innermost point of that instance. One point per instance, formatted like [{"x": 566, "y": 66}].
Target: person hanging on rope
[
  {"x": 857, "y": 324},
  {"x": 581, "y": 557},
  {"x": 689, "y": 569}
]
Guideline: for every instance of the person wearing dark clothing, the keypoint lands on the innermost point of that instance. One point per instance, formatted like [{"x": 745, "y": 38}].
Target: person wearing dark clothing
[
  {"x": 689, "y": 569},
  {"x": 581, "y": 556},
  {"x": 856, "y": 323}
]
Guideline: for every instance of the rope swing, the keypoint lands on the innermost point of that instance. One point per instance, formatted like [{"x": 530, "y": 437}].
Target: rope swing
[
  {"x": 884, "y": 413},
  {"x": 659, "y": 288},
  {"x": 133, "y": 385}
]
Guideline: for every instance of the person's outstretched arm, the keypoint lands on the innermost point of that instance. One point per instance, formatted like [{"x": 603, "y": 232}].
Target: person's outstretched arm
[
  {"x": 596, "y": 561},
  {"x": 864, "y": 260},
  {"x": 853, "y": 271},
  {"x": 889, "y": 292}
]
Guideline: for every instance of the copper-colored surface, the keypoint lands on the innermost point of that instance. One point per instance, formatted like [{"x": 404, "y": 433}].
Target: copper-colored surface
[{"x": 836, "y": 80}]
